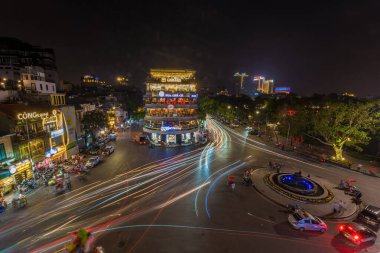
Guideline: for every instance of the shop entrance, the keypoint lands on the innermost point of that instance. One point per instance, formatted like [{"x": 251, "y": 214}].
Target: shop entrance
[{"x": 172, "y": 139}]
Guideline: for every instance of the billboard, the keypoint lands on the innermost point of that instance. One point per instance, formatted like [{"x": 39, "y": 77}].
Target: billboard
[{"x": 284, "y": 90}]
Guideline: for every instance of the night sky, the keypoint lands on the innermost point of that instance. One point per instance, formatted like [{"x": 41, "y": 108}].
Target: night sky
[{"x": 312, "y": 46}]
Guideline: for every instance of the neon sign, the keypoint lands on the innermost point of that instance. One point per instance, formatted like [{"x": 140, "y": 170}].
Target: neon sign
[
  {"x": 170, "y": 128},
  {"x": 12, "y": 169},
  {"x": 34, "y": 115},
  {"x": 174, "y": 95},
  {"x": 282, "y": 90}
]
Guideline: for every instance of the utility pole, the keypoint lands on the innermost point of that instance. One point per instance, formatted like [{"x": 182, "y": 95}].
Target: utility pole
[{"x": 29, "y": 151}]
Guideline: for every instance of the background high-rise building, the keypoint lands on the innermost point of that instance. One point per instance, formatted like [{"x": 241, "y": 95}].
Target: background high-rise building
[{"x": 264, "y": 86}]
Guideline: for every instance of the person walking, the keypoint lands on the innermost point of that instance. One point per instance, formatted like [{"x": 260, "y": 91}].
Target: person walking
[
  {"x": 233, "y": 186},
  {"x": 335, "y": 207}
]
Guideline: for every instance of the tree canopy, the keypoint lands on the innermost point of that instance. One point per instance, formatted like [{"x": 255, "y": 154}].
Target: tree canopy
[
  {"x": 93, "y": 120},
  {"x": 343, "y": 124}
]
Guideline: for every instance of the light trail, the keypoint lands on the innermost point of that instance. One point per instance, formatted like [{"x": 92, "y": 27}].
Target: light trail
[
  {"x": 197, "y": 195},
  {"x": 216, "y": 181}
]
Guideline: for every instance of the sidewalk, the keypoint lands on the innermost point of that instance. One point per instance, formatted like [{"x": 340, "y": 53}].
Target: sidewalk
[
  {"x": 315, "y": 153},
  {"x": 320, "y": 210}
]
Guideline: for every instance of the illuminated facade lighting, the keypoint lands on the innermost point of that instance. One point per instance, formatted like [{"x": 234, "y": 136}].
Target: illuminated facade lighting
[
  {"x": 264, "y": 86},
  {"x": 348, "y": 94}
]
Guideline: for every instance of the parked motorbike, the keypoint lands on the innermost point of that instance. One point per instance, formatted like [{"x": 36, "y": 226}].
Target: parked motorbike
[
  {"x": 293, "y": 207},
  {"x": 352, "y": 191}
]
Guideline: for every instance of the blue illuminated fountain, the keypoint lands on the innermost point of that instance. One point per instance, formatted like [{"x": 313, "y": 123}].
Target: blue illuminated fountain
[{"x": 296, "y": 183}]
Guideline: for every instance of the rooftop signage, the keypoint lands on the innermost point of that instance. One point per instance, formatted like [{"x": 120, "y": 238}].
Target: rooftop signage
[
  {"x": 171, "y": 80},
  {"x": 282, "y": 89}
]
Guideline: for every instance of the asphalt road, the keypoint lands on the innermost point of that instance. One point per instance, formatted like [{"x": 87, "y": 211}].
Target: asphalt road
[{"x": 177, "y": 200}]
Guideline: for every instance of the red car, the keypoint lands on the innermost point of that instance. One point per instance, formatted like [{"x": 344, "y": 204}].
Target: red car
[{"x": 357, "y": 233}]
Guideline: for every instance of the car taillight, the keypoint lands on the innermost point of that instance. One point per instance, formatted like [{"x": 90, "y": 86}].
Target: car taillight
[
  {"x": 356, "y": 237},
  {"x": 349, "y": 228},
  {"x": 341, "y": 227}
]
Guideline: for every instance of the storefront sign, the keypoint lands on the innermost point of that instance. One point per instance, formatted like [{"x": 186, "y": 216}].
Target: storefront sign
[
  {"x": 174, "y": 95},
  {"x": 34, "y": 115},
  {"x": 194, "y": 95},
  {"x": 171, "y": 79},
  {"x": 161, "y": 94},
  {"x": 12, "y": 169},
  {"x": 169, "y": 128},
  {"x": 56, "y": 133},
  {"x": 170, "y": 107}
]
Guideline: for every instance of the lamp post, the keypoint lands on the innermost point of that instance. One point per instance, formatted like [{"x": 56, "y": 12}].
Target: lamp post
[{"x": 258, "y": 126}]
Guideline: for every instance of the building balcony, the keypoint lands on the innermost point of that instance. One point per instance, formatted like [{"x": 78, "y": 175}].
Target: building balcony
[
  {"x": 164, "y": 105},
  {"x": 19, "y": 138},
  {"x": 171, "y": 118}
]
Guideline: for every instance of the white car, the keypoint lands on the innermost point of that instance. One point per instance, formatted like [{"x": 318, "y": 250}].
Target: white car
[
  {"x": 93, "y": 161},
  {"x": 109, "y": 150},
  {"x": 113, "y": 136},
  {"x": 303, "y": 221}
]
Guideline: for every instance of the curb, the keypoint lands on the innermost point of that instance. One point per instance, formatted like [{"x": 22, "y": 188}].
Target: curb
[{"x": 347, "y": 217}]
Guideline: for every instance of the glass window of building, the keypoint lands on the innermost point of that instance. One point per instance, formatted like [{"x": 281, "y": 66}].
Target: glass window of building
[{"x": 3, "y": 154}]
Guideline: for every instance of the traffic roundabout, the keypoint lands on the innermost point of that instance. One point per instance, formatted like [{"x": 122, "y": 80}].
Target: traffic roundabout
[{"x": 298, "y": 187}]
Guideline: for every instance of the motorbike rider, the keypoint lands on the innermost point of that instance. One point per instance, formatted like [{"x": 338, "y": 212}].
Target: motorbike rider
[{"x": 84, "y": 242}]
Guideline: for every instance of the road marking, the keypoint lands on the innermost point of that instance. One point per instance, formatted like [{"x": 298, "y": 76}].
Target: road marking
[{"x": 260, "y": 218}]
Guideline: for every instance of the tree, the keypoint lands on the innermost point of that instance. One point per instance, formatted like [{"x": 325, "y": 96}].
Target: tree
[
  {"x": 206, "y": 105},
  {"x": 342, "y": 124},
  {"x": 93, "y": 120}
]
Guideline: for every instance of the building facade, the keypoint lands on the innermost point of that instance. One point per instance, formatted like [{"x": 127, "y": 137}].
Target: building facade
[
  {"x": 91, "y": 81},
  {"x": 16, "y": 55},
  {"x": 33, "y": 135},
  {"x": 33, "y": 81},
  {"x": 264, "y": 86},
  {"x": 171, "y": 110}
]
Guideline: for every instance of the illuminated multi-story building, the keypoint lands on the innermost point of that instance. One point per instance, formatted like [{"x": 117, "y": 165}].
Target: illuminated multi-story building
[
  {"x": 91, "y": 81},
  {"x": 264, "y": 86},
  {"x": 171, "y": 117},
  {"x": 122, "y": 80}
]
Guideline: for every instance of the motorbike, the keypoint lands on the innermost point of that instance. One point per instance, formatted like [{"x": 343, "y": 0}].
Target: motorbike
[
  {"x": 293, "y": 208},
  {"x": 352, "y": 191},
  {"x": 31, "y": 184},
  {"x": 24, "y": 188},
  {"x": 3, "y": 205}
]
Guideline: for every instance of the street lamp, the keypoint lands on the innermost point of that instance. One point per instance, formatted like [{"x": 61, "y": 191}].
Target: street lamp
[{"x": 229, "y": 107}]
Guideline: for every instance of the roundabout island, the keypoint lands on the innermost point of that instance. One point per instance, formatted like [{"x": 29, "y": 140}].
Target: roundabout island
[{"x": 314, "y": 194}]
